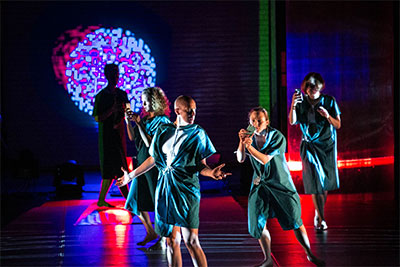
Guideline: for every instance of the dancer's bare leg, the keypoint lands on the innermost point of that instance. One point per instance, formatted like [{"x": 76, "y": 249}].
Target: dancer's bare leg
[
  {"x": 265, "y": 243},
  {"x": 319, "y": 203},
  {"x": 301, "y": 235},
  {"x": 174, "y": 248},
  {"x": 105, "y": 186},
  {"x": 191, "y": 239},
  {"x": 150, "y": 233}
]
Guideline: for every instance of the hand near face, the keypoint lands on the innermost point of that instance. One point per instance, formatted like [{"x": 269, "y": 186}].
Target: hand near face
[
  {"x": 324, "y": 113},
  {"x": 248, "y": 141},
  {"x": 296, "y": 98},
  {"x": 130, "y": 115},
  {"x": 243, "y": 133},
  {"x": 218, "y": 174}
]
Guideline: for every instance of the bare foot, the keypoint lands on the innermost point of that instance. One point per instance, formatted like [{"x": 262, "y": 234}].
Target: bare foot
[
  {"x": 147, "y": 239},
  {"x": 315, "y": 260},
  {"x": 266, "y": 263},
  {"x": 159, "y": 245},
  {"x": 104, "y": 204}
]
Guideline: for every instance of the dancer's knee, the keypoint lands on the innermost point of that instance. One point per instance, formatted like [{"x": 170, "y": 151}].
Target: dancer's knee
[
  {"x": 174, "y": 240},
  {"x": 192, "y": 242}
]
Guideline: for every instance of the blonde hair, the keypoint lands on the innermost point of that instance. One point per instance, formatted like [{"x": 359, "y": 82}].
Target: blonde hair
[{"x": 159, "y": 101}]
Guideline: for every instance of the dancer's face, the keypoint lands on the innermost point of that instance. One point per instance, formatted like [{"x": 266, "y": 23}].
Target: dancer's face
[
  {"x": 146, "y": 103},
  {"x": 187, "y": 111},
  {"x": 313, "y": 88},
  {"x": 259, "y": 121}
]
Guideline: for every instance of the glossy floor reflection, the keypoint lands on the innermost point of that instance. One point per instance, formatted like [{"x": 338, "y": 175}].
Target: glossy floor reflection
[{"x": 363, "y": 231}]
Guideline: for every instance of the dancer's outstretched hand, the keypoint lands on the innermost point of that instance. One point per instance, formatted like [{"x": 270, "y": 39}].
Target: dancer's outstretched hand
[
  {"x": 123, "y": 180},
  {"x": 218, "y": 174}
]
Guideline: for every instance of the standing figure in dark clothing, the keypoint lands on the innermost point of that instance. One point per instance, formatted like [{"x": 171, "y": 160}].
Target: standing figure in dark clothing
[
  {"x": 318, "y": 116},
  {"x": 140, "y": 200},
  {"x": 272, "y": 193},
  {"x": 109, "y": 111}
]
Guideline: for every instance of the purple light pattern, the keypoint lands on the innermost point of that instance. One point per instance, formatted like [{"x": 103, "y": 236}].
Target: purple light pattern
[{"x": 84, "y": 77}]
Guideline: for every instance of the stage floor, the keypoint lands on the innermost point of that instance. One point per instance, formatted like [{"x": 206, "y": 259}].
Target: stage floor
[{"x": 363, "y": 231}]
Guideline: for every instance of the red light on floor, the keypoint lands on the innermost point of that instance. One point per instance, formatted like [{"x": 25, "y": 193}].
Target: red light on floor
[{"x": 350, "y": 163}]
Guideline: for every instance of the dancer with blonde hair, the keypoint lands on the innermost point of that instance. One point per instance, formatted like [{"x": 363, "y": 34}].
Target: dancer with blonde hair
[{"x": 140, "y": 201}]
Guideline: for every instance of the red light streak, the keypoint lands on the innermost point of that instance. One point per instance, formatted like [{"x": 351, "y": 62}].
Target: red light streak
[{"x": 350, "y": 163}]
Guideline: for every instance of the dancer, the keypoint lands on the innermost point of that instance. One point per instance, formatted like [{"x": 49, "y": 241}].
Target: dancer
[
  {"x": 109, "y": 108},
  {"x": 272, "y": 192},
  {"x": 142, "y": 189},
  {"x": 319, "y": 117},
  {"x": 179, "y": 151}
]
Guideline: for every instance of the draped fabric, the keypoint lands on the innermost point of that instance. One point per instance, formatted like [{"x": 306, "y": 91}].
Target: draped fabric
[
  {"x": 318, "y": 148},
  {"x": 272, "y": 192},
  {"x": 142, "y": 189},
  {"x": 178, "y": 188}
]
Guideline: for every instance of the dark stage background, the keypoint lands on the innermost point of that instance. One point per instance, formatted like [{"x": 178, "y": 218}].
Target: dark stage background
[
  {"x": 209, "y": 50},
  {"x": 351, "y": 44}
]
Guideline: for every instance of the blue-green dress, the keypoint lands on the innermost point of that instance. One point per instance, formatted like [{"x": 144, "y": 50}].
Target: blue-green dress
[
  {"x": 178, "y": 188},
  {"x": 142, "y": 189},
  {"x": 318, "y": 148},
  {"x": 272, "y": 193}
]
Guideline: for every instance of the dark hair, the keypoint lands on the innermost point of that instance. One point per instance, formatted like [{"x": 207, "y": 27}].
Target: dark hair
[
  {"x": 259, "y": 109},
  {"x": 319, "y": 81},
  {"x": 110, "y": 71}
]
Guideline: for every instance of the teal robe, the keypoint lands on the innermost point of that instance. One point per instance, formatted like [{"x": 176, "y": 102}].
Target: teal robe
[
  {"x": 272, "y": 193},
  {"x": 318, "y": 148},
  {"x": 178, "y": 188},
  {"x": 142, "y": 189}
]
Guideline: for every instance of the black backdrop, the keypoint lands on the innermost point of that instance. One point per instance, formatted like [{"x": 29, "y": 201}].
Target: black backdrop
[{"x": 208, "y": 50}]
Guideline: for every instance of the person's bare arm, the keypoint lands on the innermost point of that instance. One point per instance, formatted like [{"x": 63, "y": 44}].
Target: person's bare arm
[
  {"x": 260, "y": 157},
  {"x": 143, "y": 168},
  {"x": 334, "y": 121},
  {"x": 145, "y": 137},
  {"x": 240, "y": 152},
  {"x": 296, "y": 98}
]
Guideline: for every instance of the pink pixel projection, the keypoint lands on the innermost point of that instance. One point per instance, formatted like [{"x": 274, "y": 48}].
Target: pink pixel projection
[{"x": 81, "y": 54}]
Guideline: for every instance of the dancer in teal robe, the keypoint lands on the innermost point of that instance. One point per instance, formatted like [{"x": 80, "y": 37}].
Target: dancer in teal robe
[
  {"x": 179, "y": 151},
  {"x": 142, "y": 191},
  {"x": 178, "y": 188},
  {"x": 272, "y": 192},
  {"x": 318, "y": 116}
]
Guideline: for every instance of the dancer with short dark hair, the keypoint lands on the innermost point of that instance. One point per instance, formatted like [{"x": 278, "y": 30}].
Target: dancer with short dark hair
[
  {"x": 272, "y": 193},
  {"x": 318, "y": 116}
]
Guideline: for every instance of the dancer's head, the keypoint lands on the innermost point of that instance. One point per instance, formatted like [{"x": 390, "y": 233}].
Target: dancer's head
[
  {"x": 111, "y": 72},
  {"x": 185, "y": 109},
  {"x": 155, "y": 100},
  {"x": 258, "y": 117},
  {"x": 312, "y": 83}
]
